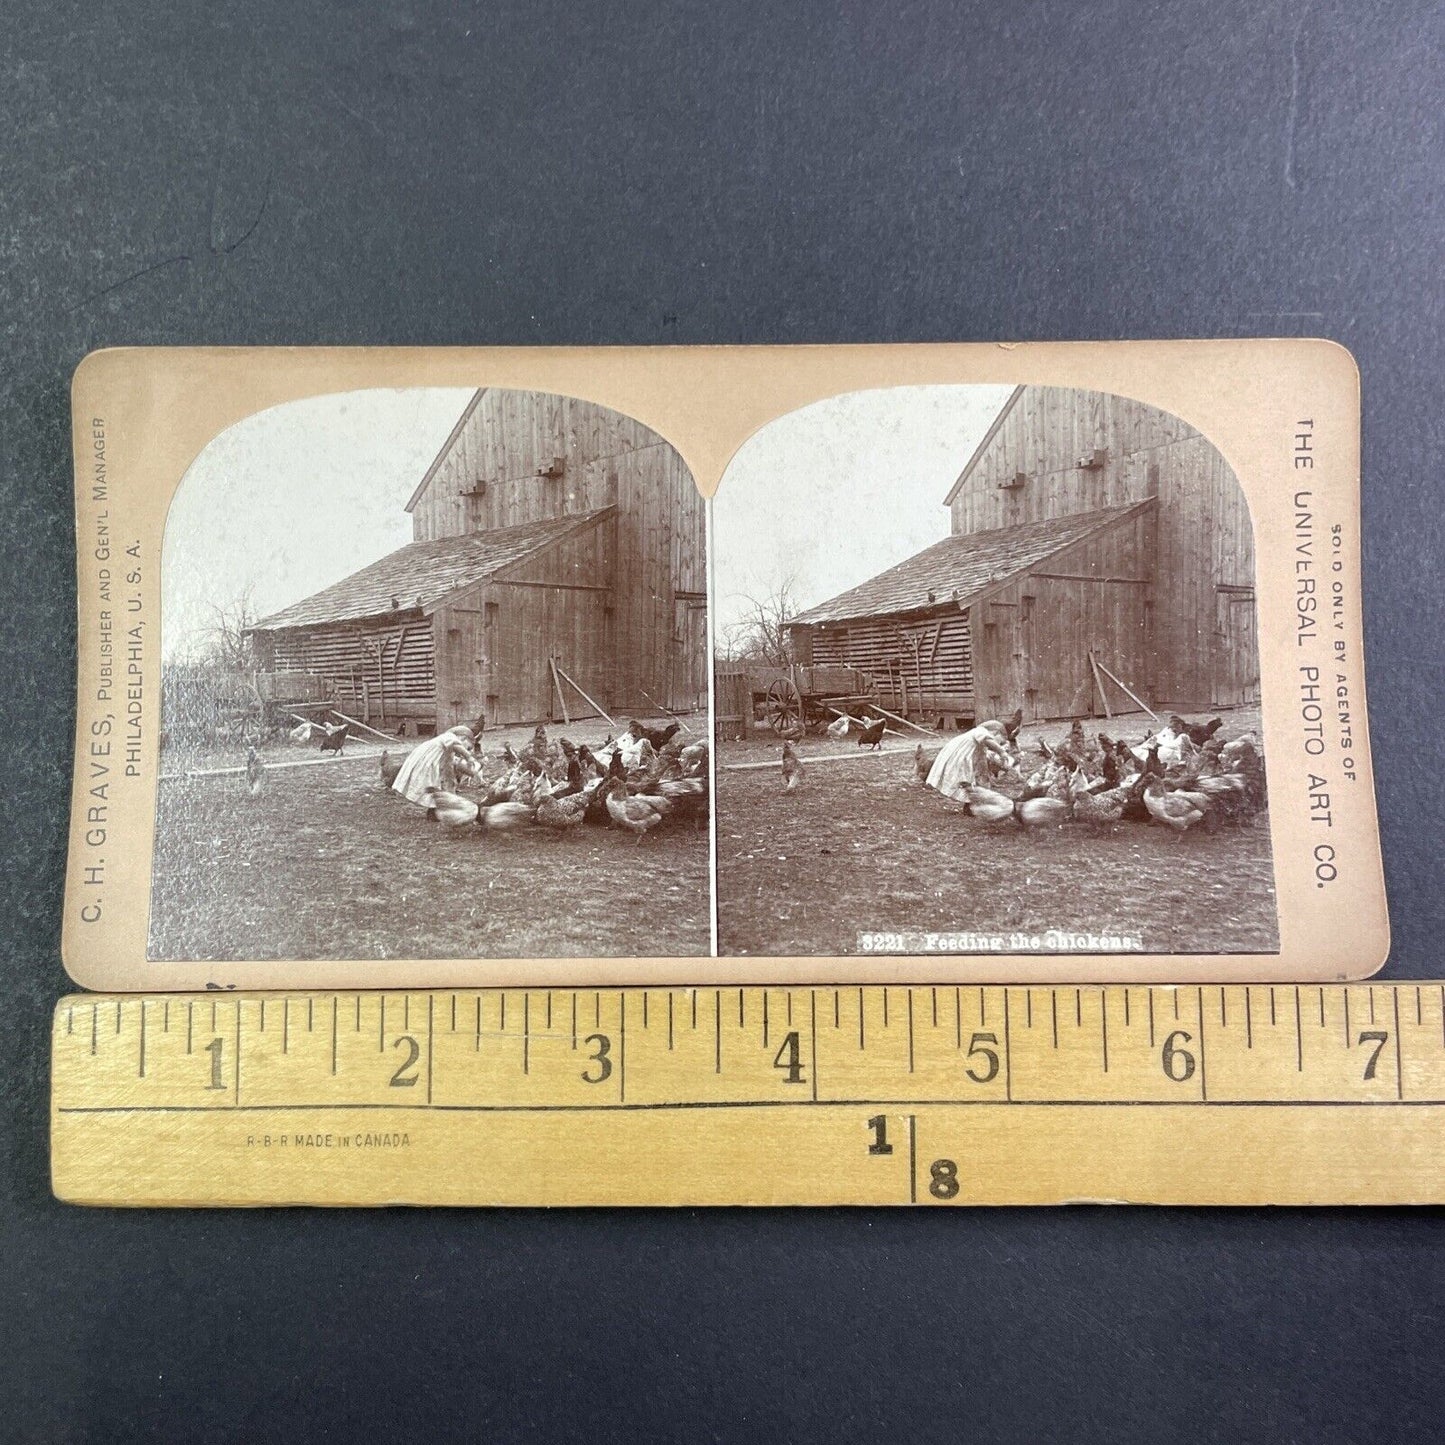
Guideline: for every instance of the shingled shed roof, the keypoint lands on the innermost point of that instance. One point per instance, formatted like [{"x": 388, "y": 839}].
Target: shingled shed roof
[
  {"x": 418, "y": 576},
  {"x": 958, "y": 569}
]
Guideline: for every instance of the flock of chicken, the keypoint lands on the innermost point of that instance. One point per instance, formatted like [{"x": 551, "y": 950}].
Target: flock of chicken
[
  {"x": 1182, "y": 775},
  {"x": 639, "y": 782}
]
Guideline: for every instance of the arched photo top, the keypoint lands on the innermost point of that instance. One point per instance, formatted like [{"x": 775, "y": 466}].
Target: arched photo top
[
  {"x": 378, "y": 604},
  {"x": 886, "y": 503},
  {"x": 369, "y": 509}
]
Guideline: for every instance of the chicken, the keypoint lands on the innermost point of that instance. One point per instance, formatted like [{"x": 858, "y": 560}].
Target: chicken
[
  {"x": 333, "y": 739},
  {"x": 689, "y": 797},
  {"x": 451, "y": 810},
  {"x": 1041, "y": 812},
  {"x": 988, "y": 806},
  {"x": 1217, "y": 785},
  {"x": 792, "y": 769},
  {"x": 1179, "y": 810},
  {"x": 390, "y": 767},
  {"x": 557, "y": 811},
  {"x": 694, "y": 757},
  {"x": 1101, "y": 809},
  {"x": 872, "y": 735},
  {"x": 509, "y": 756},
  {"x": 255, "y": 772},
  {"x": 638, "y": 814},
  {"x": 922, "y": 763},
  {"x": 658, "y": 737},
  {"x": 536, "y": 750},
  {"x": 1108, "y": 763},
  {"x": 503, "y": 789},
  {"x": 502, "y": 817},
  {"x": 1200, "y": 733},
  {"x": 1013, "y": 723},
  {"x": 574, "y": 779},
  {"x": 301, "y": 733},
  {"x": 838, "y": 728}
]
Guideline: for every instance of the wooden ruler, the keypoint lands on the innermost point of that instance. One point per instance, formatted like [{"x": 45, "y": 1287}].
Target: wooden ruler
[{"x": 897, "y": 1095}]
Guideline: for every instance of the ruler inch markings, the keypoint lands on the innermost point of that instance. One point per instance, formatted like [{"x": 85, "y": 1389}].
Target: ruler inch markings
[{"x": 1298, "y": 1114}]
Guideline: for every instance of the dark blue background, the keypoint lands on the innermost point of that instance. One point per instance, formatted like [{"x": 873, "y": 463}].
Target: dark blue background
[{"x": 518, "y": 173}]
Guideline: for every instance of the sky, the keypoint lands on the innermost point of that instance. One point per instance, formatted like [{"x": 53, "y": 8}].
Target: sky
[
  {"x": 838, "y": 491},
  {"x": 295, "y": 498}
]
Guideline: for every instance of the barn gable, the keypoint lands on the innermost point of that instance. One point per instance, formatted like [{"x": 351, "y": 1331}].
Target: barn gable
[{"x": 517, "y": 457}]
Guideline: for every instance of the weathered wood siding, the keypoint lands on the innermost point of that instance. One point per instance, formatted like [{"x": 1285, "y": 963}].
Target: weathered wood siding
[
  {"x": 921, "y": 664},
  {"x": 494, "y": 642},
  {"x": 1205, "y": 538},
  {"x": 489, "y": 477},
  {"x": 1032, "y": 639},
  {"x": 382, "y": 668}
]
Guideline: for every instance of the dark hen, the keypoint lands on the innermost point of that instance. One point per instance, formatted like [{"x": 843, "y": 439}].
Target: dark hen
[{"x": 872, "y": 735}]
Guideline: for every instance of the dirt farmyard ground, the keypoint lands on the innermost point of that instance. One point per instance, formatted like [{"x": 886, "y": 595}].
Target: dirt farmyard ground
[
  {"x": 863, "y": 846},
  {"x": 325, "y": 863}
]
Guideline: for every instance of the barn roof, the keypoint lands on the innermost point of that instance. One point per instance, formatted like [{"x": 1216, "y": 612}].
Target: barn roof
[
  {"x": 421, "y": 574},
  {"x": 958, "y": 569}
]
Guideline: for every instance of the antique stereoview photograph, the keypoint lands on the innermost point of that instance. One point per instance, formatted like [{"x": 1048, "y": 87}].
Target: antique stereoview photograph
[
  {"x": 988, "y": 682},
  {"x": 433, "y": 685},
  {"x": 687, "y": 666}
]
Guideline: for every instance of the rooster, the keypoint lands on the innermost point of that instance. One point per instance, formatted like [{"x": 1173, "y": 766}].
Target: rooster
[
  {"x": 1201, "y": 733},
  {"x": 658, "y": 737},
  {"x": 792, "y": 769},
  {"x": 1012, "y": 724}
]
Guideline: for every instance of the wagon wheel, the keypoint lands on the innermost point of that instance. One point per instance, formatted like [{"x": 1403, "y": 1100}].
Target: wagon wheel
[{"x": 784, "y": 706}]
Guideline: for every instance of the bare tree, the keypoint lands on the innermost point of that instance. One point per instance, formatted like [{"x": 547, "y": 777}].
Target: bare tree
[
  {"x": 760, "y": 633},
  {"x": 228, "y": 644}
]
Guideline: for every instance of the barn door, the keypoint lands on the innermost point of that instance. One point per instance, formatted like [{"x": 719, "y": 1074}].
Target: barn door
[{"x": 1236, "y": 667}]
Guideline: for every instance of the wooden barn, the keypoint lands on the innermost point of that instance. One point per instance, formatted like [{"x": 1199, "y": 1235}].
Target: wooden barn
[
  {"x": 1099, "y": 548},
  {"x": 559, "y": 549}
]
